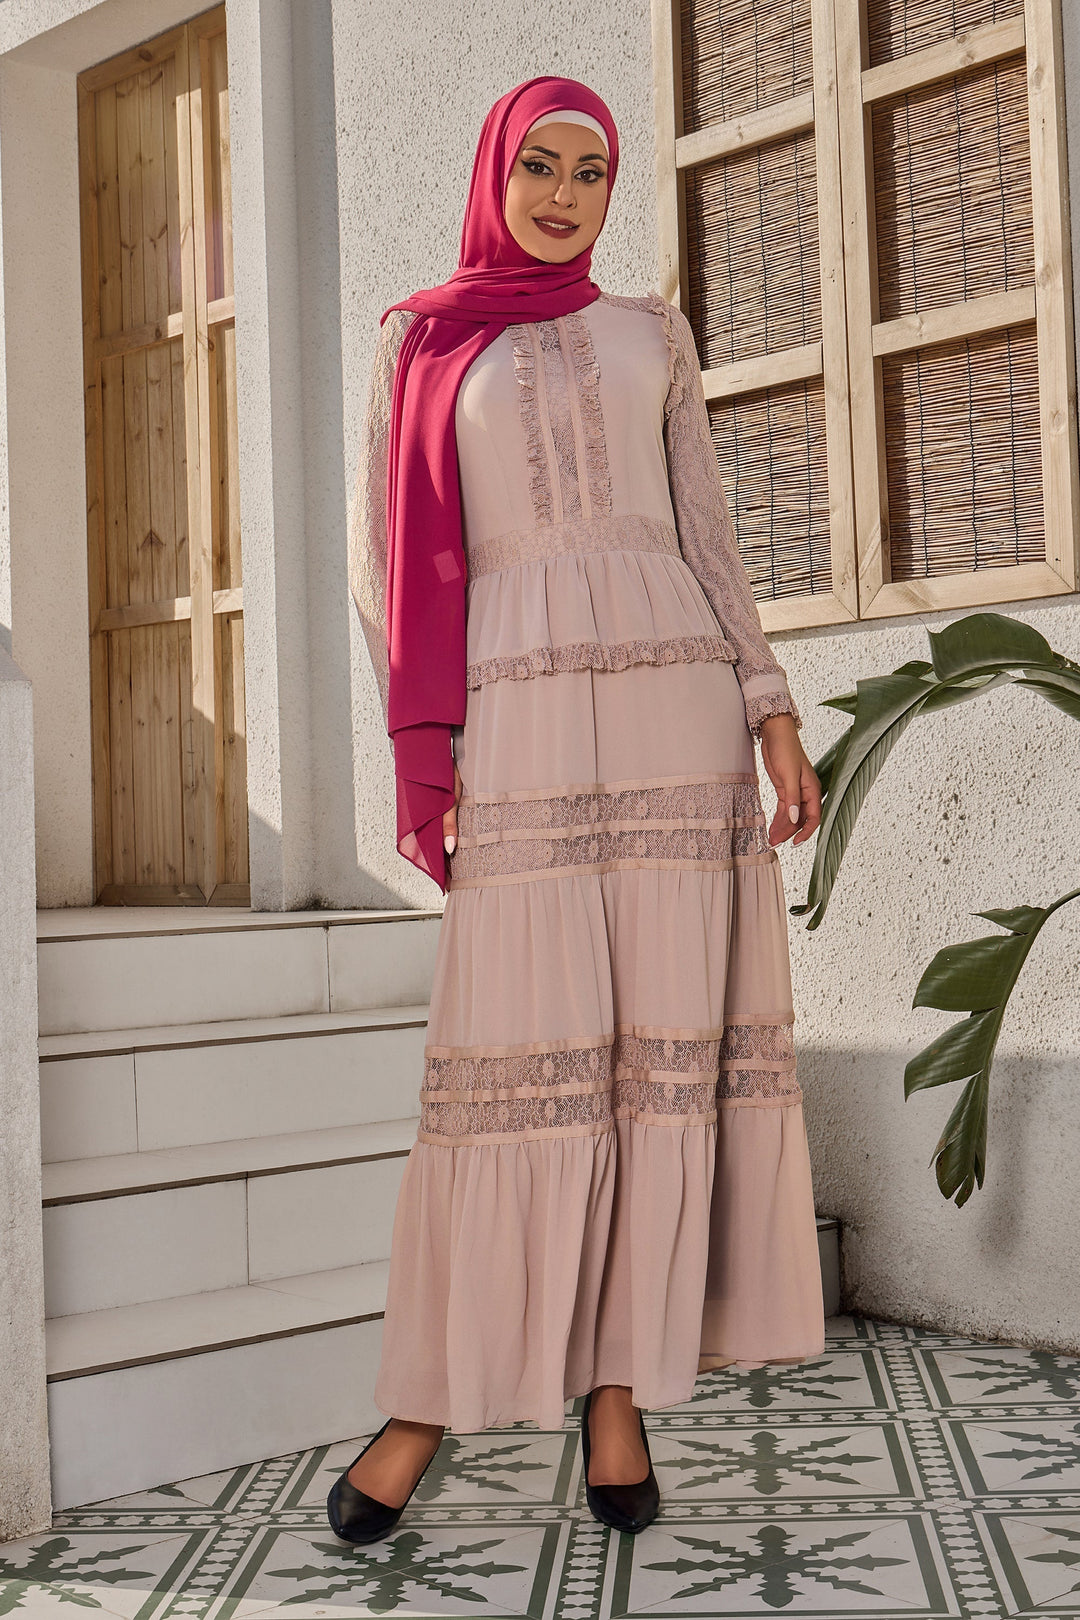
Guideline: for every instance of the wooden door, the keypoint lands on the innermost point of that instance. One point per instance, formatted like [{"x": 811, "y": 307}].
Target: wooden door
[{"x": 165, "y": 593}]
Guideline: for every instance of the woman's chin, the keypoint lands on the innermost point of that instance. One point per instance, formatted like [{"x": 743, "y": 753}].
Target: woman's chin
[{"x": 553, "y": 252}]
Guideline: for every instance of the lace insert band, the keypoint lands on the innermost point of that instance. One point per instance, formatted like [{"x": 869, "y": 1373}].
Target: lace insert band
[
  {"x": 580, "y": 1088},
  {"x": 709, "y": 825}
]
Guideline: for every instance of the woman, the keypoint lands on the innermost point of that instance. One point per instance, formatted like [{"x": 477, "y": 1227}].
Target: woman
[{"x": 610, "y": 1188}]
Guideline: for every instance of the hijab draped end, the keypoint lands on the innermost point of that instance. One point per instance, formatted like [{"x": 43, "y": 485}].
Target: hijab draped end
[{"x": 424, "y": 767}]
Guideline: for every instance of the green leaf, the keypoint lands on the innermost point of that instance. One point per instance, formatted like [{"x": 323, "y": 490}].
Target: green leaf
[
  {"x": 886, "y": 706},
  {"x": 961, "y": 1149},
  {"x": 1019, "y": 919},
  {"x": 825, "y": 767},
  {"x": 1064, "y": 694},
  {"x": 963, "y": 974},
  {"x": 957, "y": 1053},
  {"x": 973, "y": 975},
  {"x": 949, "y": 695},
  {"x": 986, "y": 641}
]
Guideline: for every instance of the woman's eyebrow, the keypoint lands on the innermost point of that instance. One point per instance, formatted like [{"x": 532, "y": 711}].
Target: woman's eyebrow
[{"x": 589, "y": 157}]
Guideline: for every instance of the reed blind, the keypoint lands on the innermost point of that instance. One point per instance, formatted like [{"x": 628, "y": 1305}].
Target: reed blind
[{"x": 863, "y": 216}]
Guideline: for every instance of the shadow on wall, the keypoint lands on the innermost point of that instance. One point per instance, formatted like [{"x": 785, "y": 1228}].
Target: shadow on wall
[{"x": 1008, "y": 1263}]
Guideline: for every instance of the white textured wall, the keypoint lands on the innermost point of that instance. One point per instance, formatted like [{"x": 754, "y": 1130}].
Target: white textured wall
[
  {"x": 24, "y": 1443},
  {"x": 45, "y": 461}
]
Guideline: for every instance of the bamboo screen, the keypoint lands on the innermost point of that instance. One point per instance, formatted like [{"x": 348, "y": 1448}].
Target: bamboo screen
[
  {"x": 750, "y": 195},
  {"x": 166, "y": 608},
  {"x": 893, "y": 169}
]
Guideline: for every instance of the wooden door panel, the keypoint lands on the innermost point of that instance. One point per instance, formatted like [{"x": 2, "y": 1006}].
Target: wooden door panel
[{"x": 166, "y": 602}]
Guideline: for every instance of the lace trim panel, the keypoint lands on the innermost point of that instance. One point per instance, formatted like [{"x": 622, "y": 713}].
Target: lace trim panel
[
  {"x": 556, "y": 365},
  {"x": 580, "y": 1089},
  {"x": 706, "y": 825},
  {"x": 556, "y": 389},
  {"x": 612, "y": 533},
  {"x": 366, "y": 522},
  {"x": 526, "y": 359},
  {"x": 588, "y": 416},
  {"x": 597, "y": 655},
  {"x": 760, "y": 708},
  {"x": 702, "y": 515}
]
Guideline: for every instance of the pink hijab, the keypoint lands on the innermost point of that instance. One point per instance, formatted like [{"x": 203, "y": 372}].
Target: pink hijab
[{"x": 496, "y": 283}]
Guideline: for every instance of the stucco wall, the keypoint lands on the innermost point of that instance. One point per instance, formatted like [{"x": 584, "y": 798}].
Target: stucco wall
[{"x": 24, "y": 1444}]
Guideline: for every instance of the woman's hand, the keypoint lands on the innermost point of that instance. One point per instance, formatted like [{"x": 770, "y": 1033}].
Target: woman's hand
[
  {"x": 449, "y": 820},
  {"x": 798, "y": 790}
]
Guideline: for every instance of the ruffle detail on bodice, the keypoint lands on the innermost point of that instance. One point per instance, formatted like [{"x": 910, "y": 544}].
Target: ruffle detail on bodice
[
  {"x": 562, "y": 419},
  {"x": 596, "y": 655},
  {"x": 601, "y": 610}
]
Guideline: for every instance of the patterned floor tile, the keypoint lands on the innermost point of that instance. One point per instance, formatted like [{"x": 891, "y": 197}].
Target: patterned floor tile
[
  {"x": 725, "y": 1463},
  {"x": 497, "y": 1466},
  {"x": 1001, "y": 1376},
  {"x": 902, "y": 1472},
  {"x": 824, "y": 1567}
]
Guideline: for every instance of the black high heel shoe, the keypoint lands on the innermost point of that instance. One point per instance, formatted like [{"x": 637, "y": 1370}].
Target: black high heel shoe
[
  {"x": 623, "y": 1507},
  {"x": 356, "y": 1516}
]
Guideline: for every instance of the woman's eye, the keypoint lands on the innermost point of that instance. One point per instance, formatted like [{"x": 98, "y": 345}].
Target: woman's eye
[{"x": 535, "y": 164}]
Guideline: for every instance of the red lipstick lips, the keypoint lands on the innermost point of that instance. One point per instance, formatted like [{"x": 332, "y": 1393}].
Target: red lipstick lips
[{"x": 564, "y": 230}]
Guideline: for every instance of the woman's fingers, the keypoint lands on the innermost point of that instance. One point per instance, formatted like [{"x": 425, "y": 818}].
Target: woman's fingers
[
  {"x": 788, "y": 808},
  {"x": 449, "y": 820},
  {"x": 810, "y": 800},
  {"x": 798, "y": 808}
]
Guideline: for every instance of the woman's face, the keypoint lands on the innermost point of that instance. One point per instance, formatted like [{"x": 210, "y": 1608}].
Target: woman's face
[{"x": 560, "y": 175}]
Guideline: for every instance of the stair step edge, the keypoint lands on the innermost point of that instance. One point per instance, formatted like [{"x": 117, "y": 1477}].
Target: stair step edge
[
  {"x": 228, "y": 1032},
  {"x": 94, "y": 1342},
  {"x": 121, "y": 1175},
  {"x": 75, "y": 924}
]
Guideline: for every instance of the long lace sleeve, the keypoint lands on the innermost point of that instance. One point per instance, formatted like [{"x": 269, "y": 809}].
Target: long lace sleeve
[
  {"x": 706, "y": 533},
  {"x": 367, "y": 509}
]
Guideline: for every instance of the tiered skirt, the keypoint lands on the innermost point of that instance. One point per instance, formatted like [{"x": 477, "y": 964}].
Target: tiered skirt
[{"x": 610, "y": 1182}]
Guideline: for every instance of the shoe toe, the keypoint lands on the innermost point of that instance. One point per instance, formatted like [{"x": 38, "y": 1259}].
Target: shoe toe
[
  {"x": 625, "y": 1507},
  {"x": 355, "y": 1516}
]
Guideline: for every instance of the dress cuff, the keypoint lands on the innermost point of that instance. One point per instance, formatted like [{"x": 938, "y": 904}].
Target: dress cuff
[{"x": 766, "y": 695}]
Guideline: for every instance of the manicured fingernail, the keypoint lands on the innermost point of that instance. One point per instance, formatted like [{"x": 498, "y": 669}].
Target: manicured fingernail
[
  {"x": 793, "y": 812},
  {"x": 449, "y": 842}
]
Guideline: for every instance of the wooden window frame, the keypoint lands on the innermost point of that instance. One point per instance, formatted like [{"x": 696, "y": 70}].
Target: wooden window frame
[{"x": 854, "y": 341}]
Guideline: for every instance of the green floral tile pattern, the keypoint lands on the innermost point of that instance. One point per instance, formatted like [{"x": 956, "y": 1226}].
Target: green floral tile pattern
[{"x": 901, "y": 1473}]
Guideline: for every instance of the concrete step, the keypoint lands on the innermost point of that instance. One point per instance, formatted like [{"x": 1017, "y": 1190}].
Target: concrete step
[
  {"x": 121, "y": 1230},
  {"x": 105, "y": 967},
  {"x": 148, "y": 1394},
  {"x": 93, "y": 1342},
  {"x": 122, "y": 1091}
]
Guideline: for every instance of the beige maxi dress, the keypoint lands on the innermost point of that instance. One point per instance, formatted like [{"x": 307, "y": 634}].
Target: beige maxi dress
[{"x": 610, "y": 1182}]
